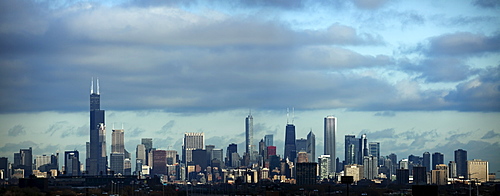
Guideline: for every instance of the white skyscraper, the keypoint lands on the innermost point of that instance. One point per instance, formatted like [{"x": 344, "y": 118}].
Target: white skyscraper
[
  {"x": 249, "y": 134},
  {"x": 192, "y": 141},
  {"x": 329, "y": 140}
]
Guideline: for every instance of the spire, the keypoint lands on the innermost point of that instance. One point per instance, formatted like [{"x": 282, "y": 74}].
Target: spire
[
  {"x": 97, "y": 85},
  {"x": 92, "y": 86},
  {"x": 287, "y": 114}
]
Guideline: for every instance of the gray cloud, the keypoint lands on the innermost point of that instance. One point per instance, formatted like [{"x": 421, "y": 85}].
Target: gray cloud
[
  {"x": 16, "y": 131},
  {"x": 385, "y": 113},
  {"x": 482, "y": 92},
  {"x": 486, "y": 3},
  {"x": 81, "y": 131},
  {"x": 442, "y": 70},
  {"x": 463, "y": 43},
  {"x": 490, "y": 134},
  {"x": 166, "y": 128},
  {"x": 369, "y": 4}
]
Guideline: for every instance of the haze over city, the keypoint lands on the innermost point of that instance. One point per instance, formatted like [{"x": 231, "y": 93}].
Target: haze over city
[{"x": 414, "y": 76}]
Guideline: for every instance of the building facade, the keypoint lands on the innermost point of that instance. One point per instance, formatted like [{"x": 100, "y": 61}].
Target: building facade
[
  {"x": 97, "y": 161},
  {"x": 330, "y": 131}
]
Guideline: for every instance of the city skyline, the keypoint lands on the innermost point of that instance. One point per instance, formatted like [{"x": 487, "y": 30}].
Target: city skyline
[{"x": 410, "y": 75}]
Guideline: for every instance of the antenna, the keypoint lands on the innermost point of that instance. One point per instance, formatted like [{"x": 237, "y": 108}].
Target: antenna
[
  {"x": 287, "y": 114},
  {"x": 92, "y": 86},
  {"x": 293, "y": 114},
  {"x": 122, "y": 126},
  {"x": 97, "y": 85},
  {"x": 113, "y": 125}
]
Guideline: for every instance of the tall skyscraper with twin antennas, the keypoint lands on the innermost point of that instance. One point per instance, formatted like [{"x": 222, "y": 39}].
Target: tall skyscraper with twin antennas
[
  {"x": 290, "y": 151},
  {"x": 97, "y": 161}
]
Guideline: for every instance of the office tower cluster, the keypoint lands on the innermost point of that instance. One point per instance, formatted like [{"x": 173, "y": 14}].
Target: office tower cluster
[{"x": 206, "y": 163}]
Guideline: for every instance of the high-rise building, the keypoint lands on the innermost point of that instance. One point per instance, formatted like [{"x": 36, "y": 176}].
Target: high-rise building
[
  {"x": 290, "y": 149},
  {"x": 72, "y": 163},
  {"x": 97, "y": 162},
  {"x": 478, "y": 169},
  {"x": 353, "y": 148},
  {"x": 192, "y": 141},
  {"x": 218, "y": 154},
  {"x": 26, "y": 161},
  {"x": 249, "y": 134},
  {"x": 402, "y": 176},
  {"x": 4, "y": 167},
  {"x": 117, "y": 156},
  {"x": 374, "y": 150},
  {"x": 324, "y": 166},
  {"x": 419, "y": 175},
  {"x": 300, "y": 145},
  {"x": 364, "y": 147},
  {"x": 439, "y": 176},
  {"x": 437, "y": 158},
  {"x": 140, "y": 153},
  {"x": 461, "y": 161},
  {"x": 302, "y": 157},
  {"x": 311, "y": 146},
  {"x": 118, "y": 141},
  {"x": 271, "y": 150},
  {"x": 45, "y": 163},
  {"x": 171, "y": 157},
  {"x": 159, "y": 162},
  {"x": 306, "y": 173},
  {"x": 268, "y": 139},
  {"x": 370, "y": 167},
  {"x": 354, "y": 170},
  {"x": 394, "y": 160},
  {"x": 427, "y": 161},
  {"x": 330, "y": 131},
  {"x": 452, "y": 169},
  {"x": 232, "y": 148}
]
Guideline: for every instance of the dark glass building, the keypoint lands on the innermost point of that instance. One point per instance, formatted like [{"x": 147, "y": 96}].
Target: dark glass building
[
  {"x": 437, "y": 158},
  {"x": 72, "y": 163},
  {"x": 426, "y": 161},
  {"x": 97, "y": 162},
  {"x": 461, "y": 161},
  {"x": 306, "y": 173},
  {"x": 290, "y": 148},
  {"x": 419, "y": 175}
]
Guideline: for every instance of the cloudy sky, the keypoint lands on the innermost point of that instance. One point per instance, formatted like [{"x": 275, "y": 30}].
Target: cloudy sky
[{"x": 416, "y": 76}]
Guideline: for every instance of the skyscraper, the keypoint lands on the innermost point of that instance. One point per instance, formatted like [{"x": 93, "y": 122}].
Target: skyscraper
[
  {"x": 192, "y": 141},
  {"x": 117, "y": 157},
  {"x": 324, "y": 166},
  {"x": 249, "y": 134},
  {"x": 353, "y": 150},
  {"x": 72, "y": 163},
  {"x": 478, "y": 169},
  {"x": 330, "y": 130},
  {"x": 461, "y": 161},
  {"x": 311, "y": 146},
  {"x": 427, "y": 161},
  {"x": 268, "y": 139},
  {"x": 437, "y": 158},
  {"x": 97, "y": 162},
  {"x": 290, "y": 148},
  {"x": 25, "y": 161},
  {"x": 370, "y": 167},
  {"x": 300, "y": 145},
  {"x": 374, "y": 150},
  {"x": 364, "y": 147}
]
